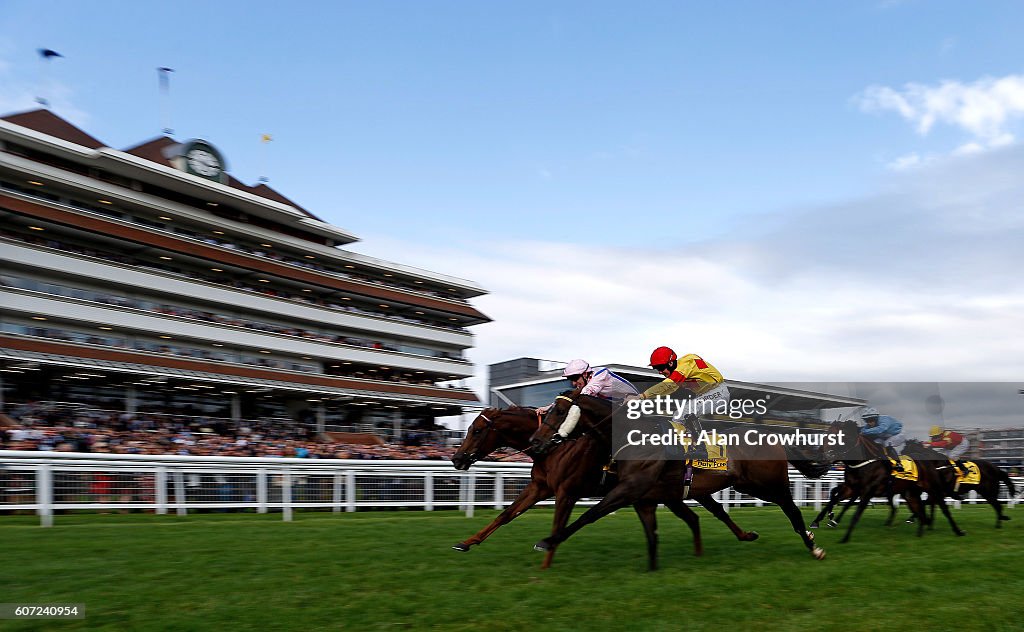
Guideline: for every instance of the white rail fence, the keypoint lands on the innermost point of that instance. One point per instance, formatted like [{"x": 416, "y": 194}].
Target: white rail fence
[{"x": 49, "y": 482}]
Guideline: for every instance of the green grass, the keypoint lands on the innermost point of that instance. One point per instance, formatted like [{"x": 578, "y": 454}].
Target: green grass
[{"x": 388, "y": 570}]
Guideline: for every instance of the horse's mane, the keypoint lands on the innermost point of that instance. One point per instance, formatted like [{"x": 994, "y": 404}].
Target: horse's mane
[{"x": 917, "y": 447}]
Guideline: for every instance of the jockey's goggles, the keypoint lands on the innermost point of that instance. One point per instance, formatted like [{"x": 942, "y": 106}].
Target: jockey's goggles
[
  {"x": 573, "y": 378},
  {"x": 660, "y": 367}
]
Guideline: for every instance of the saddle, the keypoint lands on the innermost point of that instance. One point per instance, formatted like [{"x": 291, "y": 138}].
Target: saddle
[
  {"x": 909, "y": 472},
  {"x": 973, "y": 476}
]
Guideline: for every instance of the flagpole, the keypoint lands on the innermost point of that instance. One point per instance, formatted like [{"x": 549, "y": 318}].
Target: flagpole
[
  {"x": 264, "y": 140},
  {"x": 164, "y": 77},
  {"x": 45, "y": 55}
]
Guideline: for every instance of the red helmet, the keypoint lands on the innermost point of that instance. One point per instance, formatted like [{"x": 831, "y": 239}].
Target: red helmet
[{"x": 662, "y": 355}]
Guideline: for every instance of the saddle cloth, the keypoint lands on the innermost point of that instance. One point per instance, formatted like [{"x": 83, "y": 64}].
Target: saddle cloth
[
  {"x": 973, "y": 473},
  {"x": 718, "y": 459},
  {"x": 909, "y": 472}
]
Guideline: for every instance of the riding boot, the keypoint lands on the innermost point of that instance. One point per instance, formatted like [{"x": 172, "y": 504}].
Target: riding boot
[
  {"x": 894, "y": 455},
  {"x": 962, "y": 465},
  {"x": 698, "y": 451}
]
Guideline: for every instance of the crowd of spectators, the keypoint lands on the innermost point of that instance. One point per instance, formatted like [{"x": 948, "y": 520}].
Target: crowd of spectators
[{"x": 41, "y": 428}]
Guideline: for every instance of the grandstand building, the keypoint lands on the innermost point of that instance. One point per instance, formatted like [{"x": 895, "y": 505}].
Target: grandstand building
[
  {"x": 149, "y": 279},
  {"x": 533, "y": 382}
]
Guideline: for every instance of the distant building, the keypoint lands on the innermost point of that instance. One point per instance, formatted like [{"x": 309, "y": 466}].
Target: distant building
[
  {"x": 1003, "y": 446},
  {"x": 533, "y": 382}
]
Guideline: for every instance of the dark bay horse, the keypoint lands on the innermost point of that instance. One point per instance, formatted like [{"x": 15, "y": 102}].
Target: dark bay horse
[
  {"x": 661, "y": 480},
  {"x": 573, "y": 471},
  {"x": 868, "y": 473},
  {"x": 945, "y": 472}
]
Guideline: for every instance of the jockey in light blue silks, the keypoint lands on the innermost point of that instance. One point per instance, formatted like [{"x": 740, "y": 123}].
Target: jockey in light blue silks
[{"x": 886, "y": 431}]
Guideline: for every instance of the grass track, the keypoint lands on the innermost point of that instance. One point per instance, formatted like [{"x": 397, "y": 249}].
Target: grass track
[{"x": 382, "y": 571}]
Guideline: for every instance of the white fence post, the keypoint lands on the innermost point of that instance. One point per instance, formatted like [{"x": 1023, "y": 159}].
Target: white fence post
[
  {"x": 286, "y": 495},
  {"x": 261, "y": 491},
  {"x": 350, "y": 491},
  {"x": 180, "y": 499},
  {"x": 336, "y": 493},
  {"x": 428, "y": 491},
  {"x": 470, "y": 495},
  {"x": 44, "y": 495},
  {"x": 499, "y": 490},
  {"x": 160, "y": 484}
]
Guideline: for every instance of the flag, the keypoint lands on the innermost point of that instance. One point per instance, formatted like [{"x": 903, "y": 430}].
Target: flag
[
  {"x": 46, "y": 53},
  {"x": 164, "y": 77}
]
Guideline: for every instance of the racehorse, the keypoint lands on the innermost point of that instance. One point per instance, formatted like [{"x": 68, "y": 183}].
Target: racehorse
[
  {"x": 496, "y": 428},
  {"x": 572, "y": 472},
  {"x": 661, "y": 480},
  {"x": 869, "y": 473},
  {"x": 946, "y": 472}
]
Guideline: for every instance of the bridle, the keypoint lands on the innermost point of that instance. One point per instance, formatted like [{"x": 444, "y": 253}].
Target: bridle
[
  {"x": 491, "y": 425},
  {"x": 572, "y": 402}
]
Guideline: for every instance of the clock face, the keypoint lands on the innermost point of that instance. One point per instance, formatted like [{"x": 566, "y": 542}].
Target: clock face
[{"x": 203, "y": 163}]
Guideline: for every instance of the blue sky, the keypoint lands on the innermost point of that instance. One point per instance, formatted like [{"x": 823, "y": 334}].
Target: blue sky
[
  {"x": 521, "y": 117},
  {"x": 798, "y": 190}
]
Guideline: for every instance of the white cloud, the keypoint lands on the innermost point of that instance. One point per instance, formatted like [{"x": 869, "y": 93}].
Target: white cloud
[
  {"x": 984, "y": 109},
  {"x": 918, "y": 282},
  {"x": 908, "y": 161}
]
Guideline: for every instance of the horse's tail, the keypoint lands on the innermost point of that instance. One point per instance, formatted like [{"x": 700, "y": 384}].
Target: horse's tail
[
  {"x": 805, "y": 465},
  {"x": 1003, "y": 476}
]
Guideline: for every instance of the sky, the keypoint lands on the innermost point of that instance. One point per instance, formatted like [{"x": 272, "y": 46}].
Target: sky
[{"x": 796, "y": 191}]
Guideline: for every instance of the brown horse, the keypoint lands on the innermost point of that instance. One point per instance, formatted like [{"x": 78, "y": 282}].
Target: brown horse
[
  {"x": 868, "y": 474},
  {"x": 946, "y": 473},
  {"x": 573, "y": 471},
  {"x": 661, "y": 480}
]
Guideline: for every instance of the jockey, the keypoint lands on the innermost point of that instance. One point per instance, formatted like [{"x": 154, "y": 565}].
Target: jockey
[
  {"x": 600, "y": 383},
  {"x": 952, "y": 444},
  {"x": 886, "y": 432},
  {"x": 704, "y": 383}
]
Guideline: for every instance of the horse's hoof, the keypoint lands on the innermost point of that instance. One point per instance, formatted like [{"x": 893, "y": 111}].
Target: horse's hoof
[
  {"x": 961, "y": 533},
  {"x": 1004, "y": 517},
  {"x": 752, "y": 535},
  {"x": 818, "y": 553},
  {"x": 461, "y": 546},
  {"x": 543, "y": 546},
  {"x": 832, "y": 524},
  {"x": 813, "y": 525}
]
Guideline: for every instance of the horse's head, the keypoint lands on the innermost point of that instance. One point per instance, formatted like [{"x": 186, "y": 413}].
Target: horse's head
[
  {"x": 565, "y": 405},
  {"x": 845, "y": 435},
  {"x": 919, "y": 451},
  {"x": 585, "y": 414},
  {"x": 492, "y": 429}
]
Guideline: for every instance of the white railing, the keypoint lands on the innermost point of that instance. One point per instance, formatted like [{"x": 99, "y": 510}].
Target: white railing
[{"x": 48, "y": 482}]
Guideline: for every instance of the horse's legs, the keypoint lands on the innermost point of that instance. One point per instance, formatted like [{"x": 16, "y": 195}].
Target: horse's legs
[
  {"x": 563, "y": 509},
  {"x": 833, "y": 500},
  {"x": 647, "y": 511},
  {"x": 620, "y": 496},
  {"x": 991, "y": 495},
  {"x": 529, "y": 497},
  {"x": 864, "y": 500},
  {"x": 784, "y": 499},
  {"x": 692, "y": 520},
  {"x": 945, "y": 511},
  {"x": 718, "y": 511},
  {"x": 850, "y": 502},
  {"x": 892, "y": 510}
]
